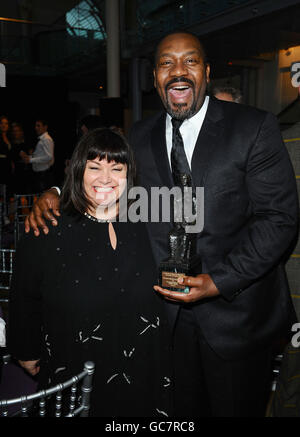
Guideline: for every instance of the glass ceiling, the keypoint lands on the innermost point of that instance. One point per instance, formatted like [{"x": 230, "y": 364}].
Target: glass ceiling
[
  {"x": 84, "y": 20},
  {"x": 157, "y": 17}
]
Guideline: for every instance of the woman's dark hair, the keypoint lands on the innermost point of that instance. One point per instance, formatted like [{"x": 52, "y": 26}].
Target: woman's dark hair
[
  {"x": 102, "y": 143},
  {"x": 3, "y": 117}
]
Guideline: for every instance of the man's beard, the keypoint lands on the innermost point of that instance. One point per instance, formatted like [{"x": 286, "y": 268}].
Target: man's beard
[{"x": 181, "y": 112}]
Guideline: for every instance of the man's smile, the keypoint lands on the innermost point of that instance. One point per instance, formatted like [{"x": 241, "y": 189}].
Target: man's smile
[{"x": 179, "y": 93}]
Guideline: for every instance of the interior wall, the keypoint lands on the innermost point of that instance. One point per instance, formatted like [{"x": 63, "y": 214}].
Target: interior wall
[{"x": 288, "y": 93}]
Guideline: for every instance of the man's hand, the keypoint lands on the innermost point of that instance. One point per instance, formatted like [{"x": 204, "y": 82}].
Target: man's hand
[
  {"x": 32, "y": 367},
  {"x": 25, "y": 157},
  {"x": 42, "y": 207},
  {"x": 201, "y": 287}
]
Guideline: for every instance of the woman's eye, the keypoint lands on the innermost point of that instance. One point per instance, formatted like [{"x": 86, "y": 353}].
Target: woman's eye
[{"x": 118, "y": 169}]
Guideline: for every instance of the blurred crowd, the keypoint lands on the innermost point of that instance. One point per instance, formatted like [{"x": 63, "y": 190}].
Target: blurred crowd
[{"x": 25, "y": 167}]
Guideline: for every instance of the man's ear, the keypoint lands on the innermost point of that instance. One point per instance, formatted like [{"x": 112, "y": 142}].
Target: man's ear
[
  {"x": 154, "y": 78},
  {"x": 207, "y": 73}
]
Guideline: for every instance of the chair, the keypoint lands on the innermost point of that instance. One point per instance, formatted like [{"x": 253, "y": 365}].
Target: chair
[
  {"x": 3, "y": 201},
  {"x": 276, "y": 366},
  {"x": 276, "y": 370},
  {"x": 6, "y": 269},
  {"x": 22, "y": 206},
  {"x": 1, "y": 223},
  {"x": 82, "y": 410}
]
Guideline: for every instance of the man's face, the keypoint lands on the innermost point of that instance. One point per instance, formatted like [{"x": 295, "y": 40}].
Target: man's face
[
  {"x": 17, "y": 133},
  {"x": 180, "y": 76},
  {"x": 40, "y": 128},
  {"x": 84, "y": 129}
]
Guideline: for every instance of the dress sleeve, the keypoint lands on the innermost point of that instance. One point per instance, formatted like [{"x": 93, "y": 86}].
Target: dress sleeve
[{"x": 25, "y": 303}]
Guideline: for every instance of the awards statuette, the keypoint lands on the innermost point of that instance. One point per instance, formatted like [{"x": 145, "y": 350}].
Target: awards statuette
[{"x": 183, "y": 258}]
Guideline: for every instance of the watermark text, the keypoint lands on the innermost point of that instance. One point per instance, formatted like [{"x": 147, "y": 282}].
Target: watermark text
[{"x": 2, "y": 76}]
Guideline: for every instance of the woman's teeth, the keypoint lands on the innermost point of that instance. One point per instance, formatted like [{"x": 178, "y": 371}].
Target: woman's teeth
[{"x": 103, "y": 190}]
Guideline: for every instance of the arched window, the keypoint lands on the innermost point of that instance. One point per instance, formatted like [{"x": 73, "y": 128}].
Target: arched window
[{"x": 84, "y": 20}]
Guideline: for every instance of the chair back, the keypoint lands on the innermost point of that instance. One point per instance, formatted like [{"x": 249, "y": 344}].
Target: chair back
[
  {"x": 22, "y": 206},
  {"x": 276, "y": 370},
  {"x": 3, "y": 199},
  {"x": 1, "y": 223},
  {"x": 6, "y": 269},
  {"x": 79, "y": 403}
]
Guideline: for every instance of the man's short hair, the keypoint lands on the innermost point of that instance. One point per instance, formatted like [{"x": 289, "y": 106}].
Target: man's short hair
[
  {"x": 186, "y": 32},
  {"x": 17, "y": 124},
  {"x": 43, "y": 121},
  {"x": 233, "y": 92}
]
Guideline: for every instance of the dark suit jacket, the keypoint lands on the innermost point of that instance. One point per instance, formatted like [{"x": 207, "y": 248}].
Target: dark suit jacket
[{"x": 250, "y": 220}]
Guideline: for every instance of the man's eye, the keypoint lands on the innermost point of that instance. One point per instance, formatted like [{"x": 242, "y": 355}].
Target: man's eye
[{"x": 165, "y": 63}]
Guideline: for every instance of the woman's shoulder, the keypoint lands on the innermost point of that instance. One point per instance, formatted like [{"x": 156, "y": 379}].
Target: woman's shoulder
[{"x": 63, "y": 221}]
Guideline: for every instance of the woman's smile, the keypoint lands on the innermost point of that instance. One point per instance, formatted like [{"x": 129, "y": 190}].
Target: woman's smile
[{"x": 104, "y": 181}]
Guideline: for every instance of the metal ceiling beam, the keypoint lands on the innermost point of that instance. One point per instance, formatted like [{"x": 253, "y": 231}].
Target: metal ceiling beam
[
  {"x": 33, "y": 23},
  {"x": 49, "y": 11},
  {"x": 253, "y": 9},
  {"x": 230, "y": 17}
]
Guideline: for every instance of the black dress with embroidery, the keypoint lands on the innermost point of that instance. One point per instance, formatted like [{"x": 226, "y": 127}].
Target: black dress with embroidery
[{"x": 74, "y": 298}]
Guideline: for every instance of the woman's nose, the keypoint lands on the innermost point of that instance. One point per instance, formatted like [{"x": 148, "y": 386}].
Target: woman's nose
[{"x": 105, "y": 177}]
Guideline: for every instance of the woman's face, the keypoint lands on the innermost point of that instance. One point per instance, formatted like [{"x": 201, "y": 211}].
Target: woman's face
[
  {"x": 104, "y": 181},
  {"x": 4, "y": 125}
]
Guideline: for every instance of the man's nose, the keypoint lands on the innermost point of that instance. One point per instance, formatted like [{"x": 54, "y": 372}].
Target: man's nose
[{"x": 179, "y": 69}]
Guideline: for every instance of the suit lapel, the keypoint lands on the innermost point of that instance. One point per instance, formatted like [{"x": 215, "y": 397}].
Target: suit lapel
[
  {"x": 159, "y": 150},
  {"x": 208, "y": 140}
]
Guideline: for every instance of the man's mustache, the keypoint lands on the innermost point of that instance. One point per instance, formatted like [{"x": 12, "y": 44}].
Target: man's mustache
[{"x": 177, "y": 80}]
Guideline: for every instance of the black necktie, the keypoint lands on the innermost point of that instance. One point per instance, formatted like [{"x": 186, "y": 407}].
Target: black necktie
[
  {"x": 181, "y": 171},
  {"x": 179, "y": 162}
]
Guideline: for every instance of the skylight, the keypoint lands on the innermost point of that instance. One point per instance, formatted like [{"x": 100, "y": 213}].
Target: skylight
[{"x": 84, "y": 20}]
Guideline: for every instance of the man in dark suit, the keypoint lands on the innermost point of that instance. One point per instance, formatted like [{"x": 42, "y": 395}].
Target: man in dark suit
[{"x": 239, "y": 303}]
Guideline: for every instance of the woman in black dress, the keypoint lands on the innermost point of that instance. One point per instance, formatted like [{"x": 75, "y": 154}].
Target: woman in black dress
[
  {"x": 22, "y": 171},
  {"x": 90, "y": 295},
  {"x": 5, "y": 155}
]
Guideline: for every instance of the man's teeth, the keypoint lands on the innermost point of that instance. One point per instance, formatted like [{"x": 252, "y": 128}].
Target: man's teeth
[{"x": 180, "y": 88}]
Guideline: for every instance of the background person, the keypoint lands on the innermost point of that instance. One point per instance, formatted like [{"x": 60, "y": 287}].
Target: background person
[
  {"x": 86, "y": 124},
  {"x": 90, "y": 122},
  {"x": 23, "y": 175},
  {"x": 227, "y": 93},
  {"x": 5, "y": 156},
  {"x": 42, "y": 158}
]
